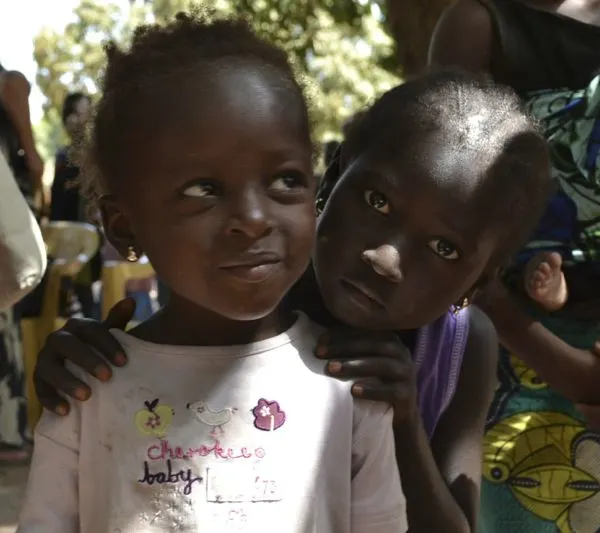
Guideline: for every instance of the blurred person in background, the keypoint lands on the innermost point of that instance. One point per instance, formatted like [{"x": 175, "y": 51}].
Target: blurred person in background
[
  {"x": 22, "y": 253},
  {"x": 67, "y": 204}
]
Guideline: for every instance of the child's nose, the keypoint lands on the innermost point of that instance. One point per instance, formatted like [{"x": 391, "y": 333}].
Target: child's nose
[
  {"x": 385, "y": 261},
  {"x": 250, "y": 216}
]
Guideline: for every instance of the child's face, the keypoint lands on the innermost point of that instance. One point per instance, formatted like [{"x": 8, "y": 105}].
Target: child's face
[
  {"x": 220, "y": 194},
  {"x": 399, "y": 243}
]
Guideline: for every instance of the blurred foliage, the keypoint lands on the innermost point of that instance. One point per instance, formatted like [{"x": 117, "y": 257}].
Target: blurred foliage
[{"x": 340, "y": 46}]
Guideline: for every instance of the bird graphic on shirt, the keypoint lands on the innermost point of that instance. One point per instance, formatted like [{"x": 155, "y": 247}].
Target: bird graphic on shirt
[{"x": 215, "y": 419}]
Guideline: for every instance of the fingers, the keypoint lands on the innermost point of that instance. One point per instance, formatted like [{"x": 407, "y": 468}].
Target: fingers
[
  {"x": 63, "y": 345},
  {"x": 121, "y": 314},
  {"x": 596, "y": 349},
  {"x": 399, "y": 397},
  {"x": 94, "y": 335},
  {"x": 356, "y": 344},
  {"x": 50, "y": 378},
  {"x": 385, "y": 369},
  {"x": 50, "y": 399}
]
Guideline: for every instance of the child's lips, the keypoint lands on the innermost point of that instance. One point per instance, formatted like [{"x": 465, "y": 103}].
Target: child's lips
[
  {"x": 362, "y": 296},
  {"x": 253, "y": 268}
]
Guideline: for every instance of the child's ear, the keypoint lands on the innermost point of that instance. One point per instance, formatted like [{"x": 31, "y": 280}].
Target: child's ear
[{"x": 116, "y": 226}]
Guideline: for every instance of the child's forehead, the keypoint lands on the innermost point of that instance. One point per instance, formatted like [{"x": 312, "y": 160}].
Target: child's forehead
[
  {"x": 432, "y": 164},
  {"x": 216, "y": 93}
]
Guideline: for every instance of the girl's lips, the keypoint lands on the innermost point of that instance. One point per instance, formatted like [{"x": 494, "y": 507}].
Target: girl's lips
[
  {"x": 361, "y": 295},
  {"x": 254, "y": 268},
  {"x": 251, "y": 260}
]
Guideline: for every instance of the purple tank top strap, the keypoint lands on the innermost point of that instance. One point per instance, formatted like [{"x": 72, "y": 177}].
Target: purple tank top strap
[{"x": 438, "y": 357}]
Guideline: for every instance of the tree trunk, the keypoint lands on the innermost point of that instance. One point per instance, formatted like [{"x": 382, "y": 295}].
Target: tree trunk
[{"x": 411, "y": 23}]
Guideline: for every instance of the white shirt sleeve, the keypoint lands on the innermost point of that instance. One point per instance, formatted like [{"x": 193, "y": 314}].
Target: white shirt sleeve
[
  {"x": 52, "y": 501},
  {"x": 378, "y": 504},
  {"x": 22, "y": 249}
]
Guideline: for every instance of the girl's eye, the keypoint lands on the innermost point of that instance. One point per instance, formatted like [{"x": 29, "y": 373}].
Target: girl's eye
[
  {"x": 201, "y": 190},
  {"x": 377, "y": 201},
  {"x": 288, "y": 181},
  {"x": 444, "y": 249}
]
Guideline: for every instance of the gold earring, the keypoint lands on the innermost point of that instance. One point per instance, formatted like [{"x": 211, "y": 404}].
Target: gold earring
[
  {"x": 457, "y": 308},
  {"x": 132, "y": 255}
]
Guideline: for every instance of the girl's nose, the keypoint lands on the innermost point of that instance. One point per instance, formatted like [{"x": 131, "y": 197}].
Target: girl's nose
[
  {"x": 385, "y": 261},
  {"x": 250, "y": 216}
]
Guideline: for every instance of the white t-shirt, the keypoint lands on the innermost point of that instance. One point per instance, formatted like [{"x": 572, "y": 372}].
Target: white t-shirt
[{"x": 248, "y": 438}]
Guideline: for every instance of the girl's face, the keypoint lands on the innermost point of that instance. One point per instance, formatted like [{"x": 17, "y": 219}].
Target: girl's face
[
  {"x": 399, "y": 243},
  {"x": 219, "y": 193}
]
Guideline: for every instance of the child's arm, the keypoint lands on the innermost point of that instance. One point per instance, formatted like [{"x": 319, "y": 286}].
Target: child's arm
[
  {"x": 52, "y": 502},
  {"x": 573, "y": 372},
  {"x": 378, "y": 505},
  {"x": 441, "y": 481}
]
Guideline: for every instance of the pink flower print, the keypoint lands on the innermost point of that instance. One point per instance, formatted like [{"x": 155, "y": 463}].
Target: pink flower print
[{"x": 268, "y": 416}]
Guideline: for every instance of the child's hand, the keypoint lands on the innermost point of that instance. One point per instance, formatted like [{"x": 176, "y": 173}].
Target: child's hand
[
  {"x": 592, "y": 412},
  {"x": 76, "y": 342},
  {"x": 545, "y": 282},
  {"x": 380, "y": 361}
]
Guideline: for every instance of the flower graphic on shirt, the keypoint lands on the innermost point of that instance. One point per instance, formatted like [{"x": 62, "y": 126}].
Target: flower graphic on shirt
[
  {"x": 268, "y": 416},
  {"x": 155, "y": 419}
]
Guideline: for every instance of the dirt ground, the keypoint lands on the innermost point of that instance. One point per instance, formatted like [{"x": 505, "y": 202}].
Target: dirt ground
[{"x": 12, "y": 489}]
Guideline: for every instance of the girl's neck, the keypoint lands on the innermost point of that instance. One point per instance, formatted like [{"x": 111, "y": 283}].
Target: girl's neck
[{"x": 182, "y": 323}]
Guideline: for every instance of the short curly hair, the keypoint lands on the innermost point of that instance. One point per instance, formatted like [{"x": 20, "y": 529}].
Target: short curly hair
[{"x": 155, "y": 55}]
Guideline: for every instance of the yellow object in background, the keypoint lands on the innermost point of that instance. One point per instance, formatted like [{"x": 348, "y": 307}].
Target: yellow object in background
[{"x": 71, "y": 245}]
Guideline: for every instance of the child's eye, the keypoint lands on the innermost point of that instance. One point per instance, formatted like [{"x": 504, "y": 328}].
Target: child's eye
[
  {"x": 377, "y": 201},
  {"x": 287, "y": 181},
  {"x": 200, "y": 190},
  {"x": 444, "y": 249}
]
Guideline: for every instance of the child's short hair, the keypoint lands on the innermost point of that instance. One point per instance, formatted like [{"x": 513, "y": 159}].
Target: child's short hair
[
  {"x": 156, "y": 53},
  {"x": 466, "y": 110}
]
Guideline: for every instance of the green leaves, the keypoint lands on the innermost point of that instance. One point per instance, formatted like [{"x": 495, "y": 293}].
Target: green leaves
[{"x": 338, "y": 44}]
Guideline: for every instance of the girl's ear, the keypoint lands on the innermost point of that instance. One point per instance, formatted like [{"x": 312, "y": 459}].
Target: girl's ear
[
  {"x": 330, "y": 178},
  {"x": 116, "y": 226}
]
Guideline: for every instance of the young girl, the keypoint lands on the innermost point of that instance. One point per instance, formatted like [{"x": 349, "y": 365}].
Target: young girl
[
  {"x": 410, "y": 225},
  {"x": 204, "y": 430}
]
